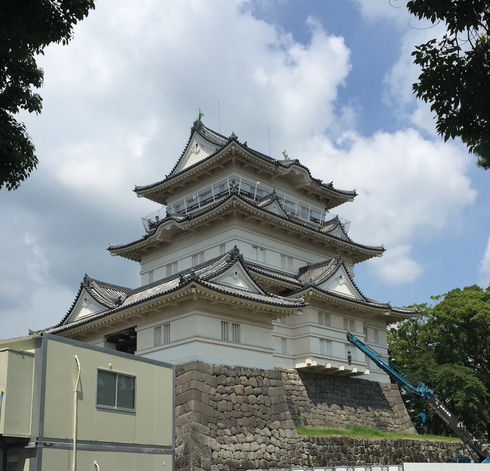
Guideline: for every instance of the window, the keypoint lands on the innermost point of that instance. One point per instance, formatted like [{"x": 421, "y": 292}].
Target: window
[
  {"x": 157, "y": 334},
  {"x": 220, "y": 188},
  {"x": 190, "y": 202},
  {"x": 197, "y": 258},
  {"x": 162, "y": 335},
  {"x": 235, "y": 333},
  {"x": 222, "y": 249},
  {"x": 286, "y": 262},
  {"x": 349, "y": 325},
  {"x": 171, "y": 269},
  {"x": 205, "y": 195},
  {"x": 325, "y": 347},
  {"x": 258, "y": 253},
  {"x": 323, "y": 318},
  {"x": 225, "y": 334},
  {"x": 284, "y": 346},
  {"x": 150, "y": 276},
  {"x": 115, "y": 390},
  {"x": 122, "y": 341},
  {"x": 166, "y": 333}
]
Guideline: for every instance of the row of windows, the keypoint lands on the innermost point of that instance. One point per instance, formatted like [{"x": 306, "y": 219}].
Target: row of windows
[
  {"x": 370, "y": 335},
  {"x": 258, "y": 254},
  {"x": 230, "y": 332},
  {"x": 173, "y": 268}
]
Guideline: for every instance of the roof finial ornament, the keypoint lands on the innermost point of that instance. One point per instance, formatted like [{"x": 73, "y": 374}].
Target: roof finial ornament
[
  {"x": 199, "y": 115},
  {"x": 286, "y": 156},
  {"x": 234, "y": 187}
]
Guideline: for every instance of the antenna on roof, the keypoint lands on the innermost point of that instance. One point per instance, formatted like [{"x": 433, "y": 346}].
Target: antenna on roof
[
  {"x": 269, "y": 128},
  {"x": 219, "y": 119}
]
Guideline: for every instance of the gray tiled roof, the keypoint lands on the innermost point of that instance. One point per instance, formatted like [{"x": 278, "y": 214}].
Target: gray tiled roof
[
  {"x": 221, "y": 142},
  {"x": 193, "y": 216},
  {"x": 203, "y": 275}
]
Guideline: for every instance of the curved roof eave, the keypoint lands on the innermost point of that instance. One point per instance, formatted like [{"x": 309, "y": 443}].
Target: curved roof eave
[
  {"x": 88, "y": 284},
  {"x": 224, "y": 143},
  {"x": 392, "y": 313},
  {"x": 189, "y": 284},
  {"x": 149, "y": 238}
]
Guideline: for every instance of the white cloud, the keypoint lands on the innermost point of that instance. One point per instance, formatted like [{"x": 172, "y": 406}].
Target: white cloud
[
  {"x": 118, "y": 105},
  {"x": 397, "y": 266},
  {"x": 391, "y": 10},
  {"x": 404, "y": 73},
  {"x": 408, "y": 188},
  {"x": 135, "y": 73},
  {"x": 485, "y": 267}
]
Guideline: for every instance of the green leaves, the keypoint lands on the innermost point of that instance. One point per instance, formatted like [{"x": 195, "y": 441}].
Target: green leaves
[
  {"x": 16, "y": 151},
  {"x": 455, "y": 76},
  {"x": 26, "y": 28},
  {"x": 448, "y": 347}
]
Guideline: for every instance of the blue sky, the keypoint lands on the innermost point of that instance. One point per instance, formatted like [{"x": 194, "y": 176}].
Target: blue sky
[{"x": 331, "y": 80}]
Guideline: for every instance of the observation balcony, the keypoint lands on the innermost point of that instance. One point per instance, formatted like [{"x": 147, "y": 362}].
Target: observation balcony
[{"x": 255, "y": 192}]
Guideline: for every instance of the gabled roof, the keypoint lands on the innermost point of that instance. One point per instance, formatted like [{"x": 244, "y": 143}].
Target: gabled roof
[
  {"x": 331, "y": 276},
  {"x": 211, "y": 147},
  {"x": 331, "y": 280},
  {"x": 271, "y": 203},
  {"x": 95, "y": 296},
  {"x": 202, "y": 141},
  {"x": 167, "y": 228},
  {"x": 227, "y": 275}
]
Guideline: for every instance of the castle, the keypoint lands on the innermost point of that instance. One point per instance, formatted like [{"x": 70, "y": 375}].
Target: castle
[{"x": 243, "y": 264}]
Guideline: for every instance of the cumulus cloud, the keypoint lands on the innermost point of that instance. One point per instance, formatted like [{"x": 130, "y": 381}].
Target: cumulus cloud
[
  {"x": 118, "y": 104},
  {"x": 485, "y": 266},
  {"x": 394, "y": 11},
  {"x": 133, "y": 75},
  {"x": 408, "y": 189}
]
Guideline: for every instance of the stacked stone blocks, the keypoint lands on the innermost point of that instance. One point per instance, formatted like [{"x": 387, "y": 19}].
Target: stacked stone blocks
[{"x": 242, "y": 418}]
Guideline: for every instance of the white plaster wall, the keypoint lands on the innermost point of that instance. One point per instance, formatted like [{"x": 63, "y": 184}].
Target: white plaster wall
[
  {"x": 245, "y": 236},
  {"x": 220, "y": 353}
]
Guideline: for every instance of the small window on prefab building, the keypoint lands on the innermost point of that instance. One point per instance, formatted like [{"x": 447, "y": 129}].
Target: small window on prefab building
[
  {"x": 115, "y": 390},
  {"x": 122, "y": 341}
]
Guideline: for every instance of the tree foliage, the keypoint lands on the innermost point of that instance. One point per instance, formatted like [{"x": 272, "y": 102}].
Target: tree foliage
[
  {"x": 26, "y": 28},
  {"x": 455, "y": 76},
  {"x": 448, "y": 347}
]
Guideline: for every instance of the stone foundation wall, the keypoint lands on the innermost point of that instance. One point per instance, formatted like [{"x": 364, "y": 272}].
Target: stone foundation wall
[
  {"x": 335, "y": 401},
  {"x": 240, "y": 418}
]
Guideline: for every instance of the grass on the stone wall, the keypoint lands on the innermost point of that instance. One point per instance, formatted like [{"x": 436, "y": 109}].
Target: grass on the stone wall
[{"x": 358, "y": 431}]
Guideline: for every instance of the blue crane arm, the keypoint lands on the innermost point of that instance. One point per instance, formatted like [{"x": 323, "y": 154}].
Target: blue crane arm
[
  {"x": 405, "y": 380},
  {"x": 417, "y": 388}
]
